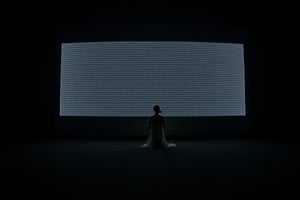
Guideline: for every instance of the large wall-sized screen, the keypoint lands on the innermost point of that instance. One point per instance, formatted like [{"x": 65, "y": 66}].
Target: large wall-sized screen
[{"x": 127, "y": 78}]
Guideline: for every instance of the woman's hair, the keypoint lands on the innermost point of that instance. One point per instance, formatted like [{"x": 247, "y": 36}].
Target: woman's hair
[{"x": 156, "y": 109}]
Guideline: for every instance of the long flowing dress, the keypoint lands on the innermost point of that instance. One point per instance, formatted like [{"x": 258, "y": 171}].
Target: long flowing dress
[{"x": 157, "y": 138}]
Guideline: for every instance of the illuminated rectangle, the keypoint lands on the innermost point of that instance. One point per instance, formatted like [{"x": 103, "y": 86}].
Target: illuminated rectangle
[{"x": 127, "y": 78}]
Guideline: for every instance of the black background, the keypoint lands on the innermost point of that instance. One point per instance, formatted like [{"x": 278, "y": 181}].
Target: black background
[
  {"x": 48, "y": 169},
  {"x": 268, "y": 87}
]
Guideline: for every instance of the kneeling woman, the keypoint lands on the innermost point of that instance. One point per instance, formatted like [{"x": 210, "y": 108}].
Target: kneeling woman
[{"x": 157, "y": 126}]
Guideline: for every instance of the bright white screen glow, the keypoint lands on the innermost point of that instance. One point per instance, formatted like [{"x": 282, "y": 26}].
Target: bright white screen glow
[{"x": 127, "y": 78}]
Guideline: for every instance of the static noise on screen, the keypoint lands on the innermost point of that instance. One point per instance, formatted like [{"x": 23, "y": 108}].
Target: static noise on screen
[{"x": 116, "y": 79}]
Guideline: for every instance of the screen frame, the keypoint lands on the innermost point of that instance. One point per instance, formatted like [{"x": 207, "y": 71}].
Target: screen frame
[{"x": 159, "y": 32}]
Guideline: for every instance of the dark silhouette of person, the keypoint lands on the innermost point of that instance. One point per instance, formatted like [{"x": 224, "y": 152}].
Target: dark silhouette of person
[{"x": 157, "y": 127}]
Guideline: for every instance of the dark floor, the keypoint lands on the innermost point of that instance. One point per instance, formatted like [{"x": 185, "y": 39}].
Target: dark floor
[{"x": 206, "y": 169}]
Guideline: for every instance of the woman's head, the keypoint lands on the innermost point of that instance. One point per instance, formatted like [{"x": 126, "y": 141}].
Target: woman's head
[{"x": 156, "y": 109}]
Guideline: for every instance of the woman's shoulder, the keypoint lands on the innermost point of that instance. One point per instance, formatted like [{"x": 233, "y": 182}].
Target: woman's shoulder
[{"x": 156, "y": 117}]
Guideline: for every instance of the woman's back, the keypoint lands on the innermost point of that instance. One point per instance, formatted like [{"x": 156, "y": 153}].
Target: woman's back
[{"x": 157, "y": 125}]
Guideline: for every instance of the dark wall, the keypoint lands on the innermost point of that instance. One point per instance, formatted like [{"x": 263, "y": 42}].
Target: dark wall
[{"x": 268, "y": 87}]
